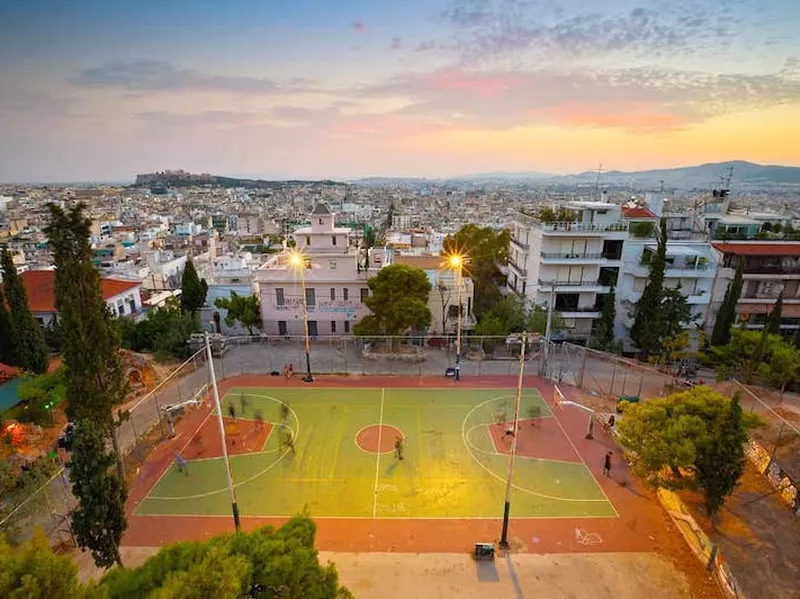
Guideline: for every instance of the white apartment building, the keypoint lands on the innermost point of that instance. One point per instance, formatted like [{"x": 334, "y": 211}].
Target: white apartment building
[
  {"x": 571, "y": 264},
  {"x": 335, "y": 281}
]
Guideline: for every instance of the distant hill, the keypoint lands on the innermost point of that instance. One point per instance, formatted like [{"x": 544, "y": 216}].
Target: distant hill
[
  {"x": 181, "y": 178},
  {"x": 705, "y": 176}
]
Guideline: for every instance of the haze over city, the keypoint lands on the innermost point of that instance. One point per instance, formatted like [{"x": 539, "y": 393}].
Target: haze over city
[{"x": 312, "y": 89}]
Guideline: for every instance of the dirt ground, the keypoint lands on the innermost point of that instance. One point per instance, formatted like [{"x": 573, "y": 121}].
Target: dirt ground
[
  {"x": 431, "y": 575},
  {"x": 759, "y": 537}
]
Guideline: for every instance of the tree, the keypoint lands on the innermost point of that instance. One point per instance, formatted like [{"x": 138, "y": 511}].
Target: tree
[
  {"x": 263, "y": 563},
  {"x": 773, "y": 324},
  {"x": 547, "y": 214},
  {"x": 33, "y": 570},
  {"x": 164, "y": 330},
  {"x": 398, "y": 301},
  {"x": 782, "y": 366},
  {"x": 8, "y": 350},
  {"x": 41, "y": 394},
  {"x": 753, "y": 356},
  {"x": 679, "y": 440},
  {"x": 445, "y": 293},
  {"x": 28, "y": 343},
  {"x": 488, "y": 250},
  {"x": 512, "y": 315},
  {"x": 726, "y": 315},
  {"x": 370, "y": 238},
  {"x": 244, "y": 309},
  {"x": 720, "y": 459},
  {"x": 193, "y": 289},
  {"x": 604, "y": 338},
  {"x": 645, "y": 331},
  {"x": 99, "y": 520}
]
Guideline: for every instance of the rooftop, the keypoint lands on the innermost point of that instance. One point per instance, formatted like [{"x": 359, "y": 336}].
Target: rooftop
[
  {"x": 41, "y": 288},
  {"x": 638, "y": 212},
  {"x": 758, "y": 248},
  {"x": 320, "y": 210}
]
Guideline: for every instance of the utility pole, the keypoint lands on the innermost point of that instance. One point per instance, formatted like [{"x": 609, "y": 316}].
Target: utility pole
[
  {"x": 548, "y": 331},
  {"x": 515, "y": 430},
  {"x": 234, "y": 507}
]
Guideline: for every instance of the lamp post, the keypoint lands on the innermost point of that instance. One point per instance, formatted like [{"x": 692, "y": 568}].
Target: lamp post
[
  {"x": 457, "y": 263},
  {"x": 298, "y": 262},
  {"x": 514, "y": 432}
]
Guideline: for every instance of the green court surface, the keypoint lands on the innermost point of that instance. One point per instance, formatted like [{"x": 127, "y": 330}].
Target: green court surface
[{"x": 451, "y": 467}]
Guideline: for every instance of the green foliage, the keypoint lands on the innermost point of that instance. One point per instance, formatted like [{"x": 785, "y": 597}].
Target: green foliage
[
  {"x": 603, "y": 338},
  {"x": 193, "y": 290},
  {"x": 398, "y": 300},
  {"x": 370, "y": 238},
  {"x": 244, "y": 309},
  {"x": 773, "y": 324},
  {"x": 757, "y": 356},
  {"x": 726, "y": 315},
  {"x": 164, "y": 330},
  {"x": 661, "y": 313},
  {"x": 698, "y": 432},
  {"x": 27, "y": 340},
  {"x": 644, "y": 229},
  {"x": 38, "y": 392},
  {"x": 546, "y": 214},
  {"x": 52, "y": 335},
  {"x": 34, "y": 570},
  {"x": 486, "y": 250},
  {"x": 512, "y": 314},
  {"x": 99, "y": 520},
  {"x": 266, "y": 562},
  {"x": 8, "y": 350}
]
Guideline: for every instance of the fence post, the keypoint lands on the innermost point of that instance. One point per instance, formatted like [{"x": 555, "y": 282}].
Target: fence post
[
  {"x": 583, "y": 368},
  {"x": 613, "y": 376}
]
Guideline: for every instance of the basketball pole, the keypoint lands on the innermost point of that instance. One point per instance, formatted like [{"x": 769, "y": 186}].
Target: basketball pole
[
  {"x": 213, "y": 375},
  {"x": 509, "y": 481}
]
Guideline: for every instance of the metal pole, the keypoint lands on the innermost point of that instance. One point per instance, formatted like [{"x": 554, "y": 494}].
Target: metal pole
[
  {"x": 231, "y": 490},
  {"x": 509, "y": 481},
  {"x": 613, "y": 376},
  {"x": 458, "y": 325},
  {"x": 548, "y": 331},
  {"x": 308, "y": 378},
  {"x": 583, "y": 369}
]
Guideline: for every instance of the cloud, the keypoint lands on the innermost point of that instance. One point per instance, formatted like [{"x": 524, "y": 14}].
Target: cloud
[
  {"x": 483, "y": 30},
  {"x": 635, "y": 99},
  {"x": 156, "y": 76},
  {"x": 397, "y": 43},
  {"x": 359, "y": 27}
]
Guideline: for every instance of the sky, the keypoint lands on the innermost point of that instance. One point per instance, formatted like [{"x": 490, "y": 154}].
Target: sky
[{"x": 102, "y": 89}]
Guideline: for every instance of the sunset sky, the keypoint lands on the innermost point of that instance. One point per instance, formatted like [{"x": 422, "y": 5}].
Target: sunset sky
[{"x": 100, "y": 89}]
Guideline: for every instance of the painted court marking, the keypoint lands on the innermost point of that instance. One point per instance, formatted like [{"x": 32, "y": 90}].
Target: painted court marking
[
  {"x": 519, "y": 488},
  {"x": 381, "y": 427},
  {"x": 378, "y": 458}
]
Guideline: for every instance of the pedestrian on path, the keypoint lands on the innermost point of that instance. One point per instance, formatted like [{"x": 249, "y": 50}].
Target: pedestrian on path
[
  {"x": 180, "y": 462},
  {"x": 607, "y": 464},
  {"x": 259, "y": 421},
  {"x": 231, "y": 410},
  {"x": 398, "y": 447}
]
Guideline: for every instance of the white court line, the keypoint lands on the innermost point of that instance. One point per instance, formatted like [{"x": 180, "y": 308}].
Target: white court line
[{"x": 378, "y": 459}]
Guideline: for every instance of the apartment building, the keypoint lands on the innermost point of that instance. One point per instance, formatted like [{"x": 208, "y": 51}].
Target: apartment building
[
  {"x": 571, "y": 264},
  {"x": 770, "y": 268},
  {"x": 336, "y": 276}
]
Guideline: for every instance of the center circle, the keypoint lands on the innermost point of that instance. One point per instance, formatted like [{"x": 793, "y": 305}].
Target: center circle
[{"x": 378, "y": 438}]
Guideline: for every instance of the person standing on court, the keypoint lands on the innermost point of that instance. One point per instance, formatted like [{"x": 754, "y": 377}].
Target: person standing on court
[
  {"x": 398, "y": 447},
  {"x": 607, "y": 464},
  {"x": 180, "y": 461}
]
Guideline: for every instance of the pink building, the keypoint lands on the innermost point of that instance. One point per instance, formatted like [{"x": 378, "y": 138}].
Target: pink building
[{"x": 335, "y": 276}]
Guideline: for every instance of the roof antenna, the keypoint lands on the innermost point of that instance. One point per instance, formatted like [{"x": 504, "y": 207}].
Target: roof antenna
[{"x": 596, "y": 193}]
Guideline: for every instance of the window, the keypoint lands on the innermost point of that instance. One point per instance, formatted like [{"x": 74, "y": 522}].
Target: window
[
  {"x": 279, "y": 299},
  {"x": 332, "y": 264},
  {"x": 452, "y": 311},
  {"x": 333, "y": 239},
  {"x": 311, "y": 299},
  {"x": 333, "y": 326},
  {"x": 364, "y": 294},
  {"x": 345, "y": 293},
  {"x": 308, "y": 239},
  {"x": 346, "y": 326},
  {"x": 282, "y": 328},
  {"x": 333, "y": 294},
  {"x": 320, "y": 221}
]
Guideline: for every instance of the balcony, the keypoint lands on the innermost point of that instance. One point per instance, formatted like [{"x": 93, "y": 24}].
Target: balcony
[
  {"x": 676, "y": 271},
  {"x": 523, "y": 246},
  {"x": 591, "y": 312},
  {"x": 567, "y": 228},
  {"x": 553, "y": 257},
  {"x": 572, "y": 286},
  {"x": 521, "y": 271}
]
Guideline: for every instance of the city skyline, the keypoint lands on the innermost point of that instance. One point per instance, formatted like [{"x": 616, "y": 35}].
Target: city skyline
[{"x": 314, "y": 90}]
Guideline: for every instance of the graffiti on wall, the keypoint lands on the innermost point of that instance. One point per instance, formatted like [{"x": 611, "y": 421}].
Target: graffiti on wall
[{"x": 777, "y": 476}]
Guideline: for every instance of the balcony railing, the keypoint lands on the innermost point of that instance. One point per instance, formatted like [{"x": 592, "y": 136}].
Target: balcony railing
[
  {"x": 771, "y": 270},
  {"x": 564, "y": 227},
  {"x": 519, "y": 244},
  {"x": 518, "y": 268},
  {"x": 573, "y": 256},
  {"x": 576, "y": 309},
  {"x": 557, "y": 283}
]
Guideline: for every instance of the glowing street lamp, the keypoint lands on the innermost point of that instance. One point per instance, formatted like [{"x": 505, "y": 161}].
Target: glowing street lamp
[
  {"x": 456, "y": 262},
  {"x": 298, "y": 262}
]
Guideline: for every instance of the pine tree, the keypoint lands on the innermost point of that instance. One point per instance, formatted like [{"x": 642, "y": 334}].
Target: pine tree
[
  {"x": 773, "y": 324},
  {"x": 193, "y": 289},
  {"x": 30, "y": 350},
  {"x": 95, "y": 382},
  {"x": 8, "y": 351},
  {"x": 726, "y": 315},
  {"x": 646, "y": 329},
  {"x": 606, "y": 327}
]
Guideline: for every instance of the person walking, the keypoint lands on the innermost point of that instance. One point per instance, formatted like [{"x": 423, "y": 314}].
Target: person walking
[
  {"x": 259, "y": 421},
  {"x": 180, "y": 462},
  {"x": 398, "y": 447},
  {"x": 607, "y": 464},
  {"x": 231, "y": 410}
]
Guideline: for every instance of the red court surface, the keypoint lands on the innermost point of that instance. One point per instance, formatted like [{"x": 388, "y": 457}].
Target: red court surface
[
  {"x": 540, "y": 438},
  {"x": 378, "y": 438},
  {"x": 641, "y": 524},
  {"x": 241, "y": 436}
]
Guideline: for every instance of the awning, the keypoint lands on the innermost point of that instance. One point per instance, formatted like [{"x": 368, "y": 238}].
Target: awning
[
  {"x": 677, "y": 250},
  {"x": 788, "y": 311}
]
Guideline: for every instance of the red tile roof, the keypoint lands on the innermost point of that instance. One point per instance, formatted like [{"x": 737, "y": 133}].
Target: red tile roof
[
  {"x": 776, "y": 248},
  {"x": 41, "y": 288},
  {"x": 638, "y": 212}
]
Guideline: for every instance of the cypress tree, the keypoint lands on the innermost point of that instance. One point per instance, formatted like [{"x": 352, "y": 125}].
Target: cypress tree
[
  {"x": 30, "y": 350},
  {"x": 606, "y": 328},
  {"x": 8, "y": 350},
  {"x": 646, "y": 329},
  {"x": 95, "y": 382},
  {"x": 193, "y": 289},
  {"x": 773, "y": 324},
  {"x": 721, "y": 334}
]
